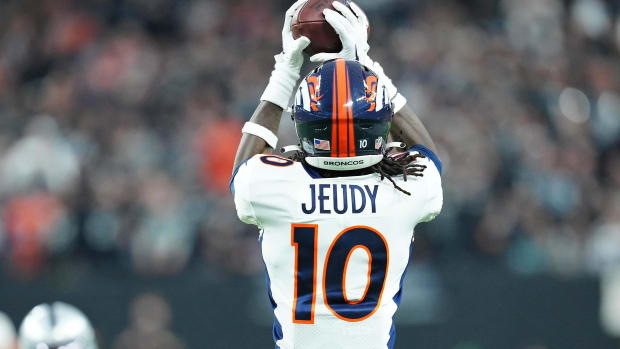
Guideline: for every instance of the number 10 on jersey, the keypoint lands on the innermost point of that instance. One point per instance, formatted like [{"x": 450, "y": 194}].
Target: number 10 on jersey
[{"x": 304, "y": 238}]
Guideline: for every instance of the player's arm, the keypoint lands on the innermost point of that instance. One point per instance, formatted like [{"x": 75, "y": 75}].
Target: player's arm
[
  {"x": 408, "y": 128},
  {"x": 267, "y": 115},
  {"x": 259, "y": 134}
]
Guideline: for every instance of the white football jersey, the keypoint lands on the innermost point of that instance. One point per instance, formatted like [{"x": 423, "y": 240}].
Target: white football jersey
[{"x": 335, "y": 249}]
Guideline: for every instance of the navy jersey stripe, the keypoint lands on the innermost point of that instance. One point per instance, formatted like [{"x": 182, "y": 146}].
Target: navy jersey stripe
[{"x": 429, "y": 154}]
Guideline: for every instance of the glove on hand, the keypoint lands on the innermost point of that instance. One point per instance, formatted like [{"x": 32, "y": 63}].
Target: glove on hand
[{"x": 286, "y": 72}]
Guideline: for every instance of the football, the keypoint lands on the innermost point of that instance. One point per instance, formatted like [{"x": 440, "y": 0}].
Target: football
[{"x": 310, "y": 22}]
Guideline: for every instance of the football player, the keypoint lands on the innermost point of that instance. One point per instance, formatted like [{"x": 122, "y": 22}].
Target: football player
[
  {"x": 56, "y": 326},
  {"x": 337, "y": 218}
]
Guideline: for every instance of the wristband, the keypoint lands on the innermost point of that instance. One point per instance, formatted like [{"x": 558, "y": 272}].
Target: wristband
[
  {"x": 398, "y": 102},
  {"x": 282, "y": 83},
  {"x": 262, "y": 132}
]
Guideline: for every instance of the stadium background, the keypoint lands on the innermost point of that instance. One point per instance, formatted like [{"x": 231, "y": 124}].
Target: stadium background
[{"x": 119, "y": 121}]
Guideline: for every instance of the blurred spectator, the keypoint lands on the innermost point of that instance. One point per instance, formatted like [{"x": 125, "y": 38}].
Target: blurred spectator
[
  {"x": 591, "y": 17},
  {"x": 37, "y": 225},
  {"x": 8, "y": 340},
  {"x": 610, "y": 301},
  {"x": 148, "y": 329},
  {"x": 217, "y": 142},
  {"x": 41, "y": 158},
  {"x": 164, "y": 238},
  {"x": 603, "y": 252}
]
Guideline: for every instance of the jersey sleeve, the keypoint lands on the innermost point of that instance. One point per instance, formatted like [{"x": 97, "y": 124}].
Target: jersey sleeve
[
  {"x": 433, "y": 199},
  {"x": 240, "y": 185},
  {"x": 429, "y": 155},
  {"x": 427, "y": 192},
  {"x": 264, "y": 189}
]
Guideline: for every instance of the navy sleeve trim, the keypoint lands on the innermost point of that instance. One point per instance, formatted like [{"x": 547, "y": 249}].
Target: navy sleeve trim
[
  {"x": 311, "y": 171},
  {"x": 231, "y": 184},
  {"x": 429, "y": 154}
]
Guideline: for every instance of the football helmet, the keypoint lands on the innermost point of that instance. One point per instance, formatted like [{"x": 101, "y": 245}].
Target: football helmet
[
  {"x": 56, "y": 326},
  {"x": 342, "y": 116}
]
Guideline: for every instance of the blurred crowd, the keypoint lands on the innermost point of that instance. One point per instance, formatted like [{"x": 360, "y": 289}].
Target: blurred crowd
[
  {"x": 119, "y": 121},
  {"x": 148, "y": 327}
]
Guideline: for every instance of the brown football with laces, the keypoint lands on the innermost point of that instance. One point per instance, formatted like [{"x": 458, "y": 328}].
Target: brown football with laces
[{"x": 310, "y": 22}]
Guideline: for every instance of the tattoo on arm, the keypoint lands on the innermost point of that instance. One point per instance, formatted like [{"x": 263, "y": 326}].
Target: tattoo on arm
[
  {"x": 408, "y": 128},
  {"x": 268, "y": 115}
]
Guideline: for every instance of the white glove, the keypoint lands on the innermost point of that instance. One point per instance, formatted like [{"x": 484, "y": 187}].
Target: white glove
[
  {"x": 286, "y": 72},
  {"x": 352, "y": 27},
  {"x": 353, "y": 31}
]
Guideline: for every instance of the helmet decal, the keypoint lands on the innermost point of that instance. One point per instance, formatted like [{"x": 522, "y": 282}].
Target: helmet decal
[
  {"x": 314, "y": 86},
  {"x": 379, "y": 143},
  {"x": 371, "y": 91}
]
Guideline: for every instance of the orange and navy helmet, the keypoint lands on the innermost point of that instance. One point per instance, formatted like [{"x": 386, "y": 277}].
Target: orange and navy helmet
[{"x": 342, "y": 115}]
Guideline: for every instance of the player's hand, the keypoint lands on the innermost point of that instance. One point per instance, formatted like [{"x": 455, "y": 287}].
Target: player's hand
[
  {"x": 288, "y": 63},
  {"x": 293, "y": 49},
  {"x": 351, "y": 25}
]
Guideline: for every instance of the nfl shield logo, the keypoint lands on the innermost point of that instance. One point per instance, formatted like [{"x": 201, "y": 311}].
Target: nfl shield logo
[
  {"x": 379, "y": 143},
  {"x": 321, "y": 144}
]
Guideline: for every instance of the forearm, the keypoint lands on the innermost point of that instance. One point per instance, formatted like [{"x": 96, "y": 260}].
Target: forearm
[
  {"x": 268, "y": 115},
  {"x": 408, "y": 128},
  {"x": 281, "y": 87}
]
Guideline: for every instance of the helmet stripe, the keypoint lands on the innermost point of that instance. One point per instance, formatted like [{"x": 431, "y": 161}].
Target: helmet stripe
[
  {"x": 349, "y": 105},
  {"x": 334, "y": 118},
  {"x": 342, "y": 111}
]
